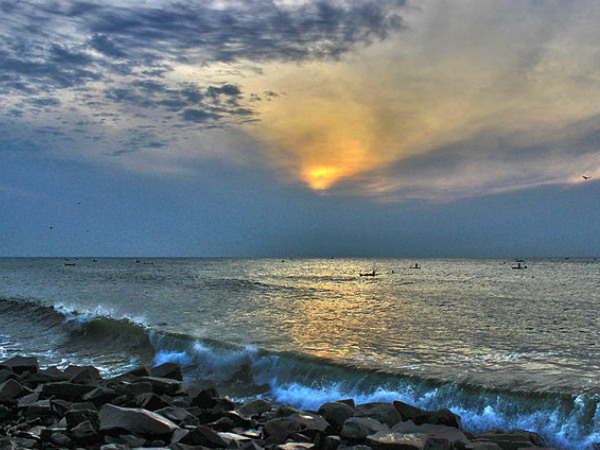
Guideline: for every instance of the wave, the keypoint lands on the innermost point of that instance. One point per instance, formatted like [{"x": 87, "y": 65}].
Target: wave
[{"x": 565, "y": 421}]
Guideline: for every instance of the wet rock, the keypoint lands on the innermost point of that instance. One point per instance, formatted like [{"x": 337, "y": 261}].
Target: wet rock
[
  {"x": 483, "y": 445},
  {"x": 254, "y": 407},
  {"x": 150, "y": 401},
  {"x": 83, "y": 374},
  {"x": 100, "y": 395},
  {"x": 358, "y": 428},
  {"x": 178, "y": 415},
  {"x": 206, "y": 398},
  {"x": 384, "y": 412},
  {"x": 296, "y": 446},
  {"x": 133, "y": 389},
  {"x": 9, "y": 390},
  {"x": 76, "y": 417},
  {"x": 348, "y": 401},
  {"x": 65, "y": 391},
  {"x": 202, "y": 435},
  {"x": 6, "y": 444},
  {"x": 389, "y": 440},
  {"x": 284, "y": 426},
  {"x": 162, "y": 385},
  {"x": 132, "y": 440},
  {"x": 21, "y": 364},
  {"x": 168, "y": 370},
  {"x": 234, "y": 440},
  {"x": 86, "y": 433},
  {"x": 453, "y": 435},
  {"x": 134, "y": 420},
  {"x": 513, "y": 440},
  {"x": 336, "y": 413},
  {"x": 419, "y": 416},
  {"x": 53, "y": 373}
]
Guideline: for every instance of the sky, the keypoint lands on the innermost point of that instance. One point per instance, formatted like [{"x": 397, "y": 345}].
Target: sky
[{"x": 300, "y": 128}]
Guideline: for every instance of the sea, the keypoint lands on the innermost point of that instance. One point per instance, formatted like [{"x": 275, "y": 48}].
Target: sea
[{"x": 500, "y": 346}]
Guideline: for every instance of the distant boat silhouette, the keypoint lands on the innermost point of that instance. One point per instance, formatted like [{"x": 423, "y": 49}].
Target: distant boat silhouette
[
  {"x": 69, "y": 264},
  {"x": 416, "y": 266},
  {"x": 368, "y": 274},
  {"x": 519, "y": 266}
]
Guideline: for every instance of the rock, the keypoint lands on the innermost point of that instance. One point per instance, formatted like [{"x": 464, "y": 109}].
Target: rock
[
  {"x": 358, "y": 428},
  {"x": 100, "y": 395},
  {"x": 336, "y": 413},
  {"x": 482, "y": 445},
  {"x": 132, "y": 440},
  {"x": 202, "y": 435},
  {"x": 36, "y": 409},
  {"x": 65, "y": 391},
  {"x": 254, "y": 407},
  {"x": 451, "y": 434},
  {"x": 54, "y": 373},
  {"x": 349, "y": 402},
  {"x": 206, "y": 398},
  {"x": 21, "y": 364},
  {"x": 419, "y": 416},
  {"x": 389, "y": 440},
  {"x": 284, "y": 426},
  {"x": 150, "y": 401},
  {"x": 83, "y": 374},
  {"x": 234, "y": 440},
  {"x": 512, "y": 440},
  {"x": 296, "y": 446},
  {"x": 6, "y": 444},
  {"x": 134, "y": 420},
  {"x": 168, "y": 370},
  {"x": 9, "y": 390},
  {"x": 178, "y": 415},
  {"x": 76, "y": 417},
  {"x": 384, "y": 412},
  {"x": 162, "y": 385},
  {"x": 133, "y": 389},
  {"x": 85, "y": 432}
]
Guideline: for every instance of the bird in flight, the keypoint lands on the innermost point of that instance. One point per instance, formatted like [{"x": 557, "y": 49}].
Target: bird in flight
[{"x": 586, "y": 177}]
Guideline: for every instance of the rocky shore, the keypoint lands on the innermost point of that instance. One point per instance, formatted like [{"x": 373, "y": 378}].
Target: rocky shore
[{"x": 144, "y": 408}]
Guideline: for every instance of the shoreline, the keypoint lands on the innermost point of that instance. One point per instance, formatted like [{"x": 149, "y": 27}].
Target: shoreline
[{"x": 77, "y": 408}]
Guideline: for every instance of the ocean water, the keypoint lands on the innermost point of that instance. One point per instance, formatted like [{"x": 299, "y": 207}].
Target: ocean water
[{"x": 503, "y": 348}]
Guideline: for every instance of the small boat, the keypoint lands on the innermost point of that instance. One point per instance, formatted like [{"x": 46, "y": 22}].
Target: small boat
[
  {"x": 69, "y": 264},
  {"x": 519, "y": 266},
  {"x": 368, "y": 274},
  {"x": 416, "y": 266}
]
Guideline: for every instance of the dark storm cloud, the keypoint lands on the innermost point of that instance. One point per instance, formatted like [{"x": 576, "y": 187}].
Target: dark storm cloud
[
  {"x": 106, "y": 46},
  {"x": 198, "y": 115}
]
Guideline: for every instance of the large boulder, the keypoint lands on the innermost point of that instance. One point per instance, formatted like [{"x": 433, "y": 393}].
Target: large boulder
[
  {"x": 115, "y": 419},
  {"x": 204, "y": 436},
  {"x": 284, "y": 426},
  {"x": 253, "y": 407},
  {"x": 62, "y": 390},
  {"x": 386, "y": 440},
  {"x": 162, "y": 385},
  {"x": 382, "y": 411},
  {"x": 336, "y": 413},
  {"x": 420, "y": 416},
  {"x": 9, "y": 390},
  {"x": 358, "y": 428},
  {"x": 451, "y": 434},
  {"x": 21, "y": 364},
  {"x": 168, "y": 370},
  {"x": 515, "y": 439}
]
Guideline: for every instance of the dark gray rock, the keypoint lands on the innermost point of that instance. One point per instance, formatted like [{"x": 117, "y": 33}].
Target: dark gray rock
[
  {"x": 513, "y": 440},
  {"x": 388, "y": 440},
  {"x": 336, "y": 413},
  {"x": 76, "y": 417},
  {"x": 134, "y": 420},
  {"x": 9, "y": 390},
  {"x": 254, "y": 407},
  {"x": 234, "y": 440},
  {"x": 100, "y": 395},
  {"x": 83, "y": 374},
  {"x": 133, "y": 389},
  {"x": 178, "y": 415},
  {"x": 384, "y": 412},
  {"x": 206, "y": 398},
  {"x": 150, "y": 401},
  {"x": 168, "y": 370},
  {"x": 86, "y": 433},
  {"x": 296, "y": 446},
  {"x": 204, "y": 436},
  {"x": 482, "y": 445},
  {"x": 53, "y": 373},
  {"x": 21, "y": 364},
  {"x": 162, "y": 385},
  {"x": 419, "y": 416},
  {"x": 453, "y": 435},
  {"x": 358, "y": 428},
  {"x": 284, "y": 426},
  {"x": 65, "y": 391}
]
